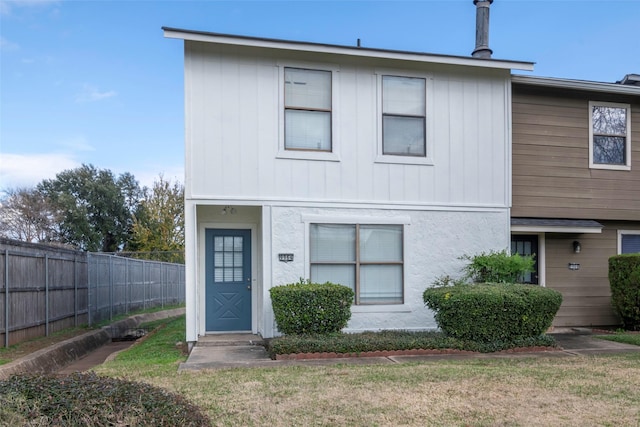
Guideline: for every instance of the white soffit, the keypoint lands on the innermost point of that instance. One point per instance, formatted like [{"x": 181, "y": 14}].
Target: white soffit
[{"x": 227, "y": 39}]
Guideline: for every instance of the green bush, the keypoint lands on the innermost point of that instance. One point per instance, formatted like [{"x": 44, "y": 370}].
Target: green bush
[
  {"x": 90, "y": 400},
  {"x": 497, "y": 312},
  {"x": 624, "y": 279},
  {"x": 311, "y": 308},
  {"x": 497, "y": 267}
]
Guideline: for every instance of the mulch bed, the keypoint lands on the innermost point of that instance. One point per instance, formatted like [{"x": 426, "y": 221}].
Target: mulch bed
[{"x": 415, "y": 352}]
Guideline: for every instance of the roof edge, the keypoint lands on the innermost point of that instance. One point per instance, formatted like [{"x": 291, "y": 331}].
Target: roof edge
[
  {"x": 230, "y": 39},
  {"x": 585, "y": 85}
]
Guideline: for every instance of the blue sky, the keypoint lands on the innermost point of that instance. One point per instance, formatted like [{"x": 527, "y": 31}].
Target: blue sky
[{"x": 96, "y": 82}]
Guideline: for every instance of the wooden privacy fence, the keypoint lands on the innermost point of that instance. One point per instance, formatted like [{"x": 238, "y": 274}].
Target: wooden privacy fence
[{"x": 45, "y": 289}]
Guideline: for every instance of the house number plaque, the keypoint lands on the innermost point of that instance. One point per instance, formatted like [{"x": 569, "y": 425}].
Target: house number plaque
[{"x": 285, "y": 257}]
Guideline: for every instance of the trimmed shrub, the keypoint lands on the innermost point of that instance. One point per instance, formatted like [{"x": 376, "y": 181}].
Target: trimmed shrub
[
  {"x": 624, "y": 279},
  {"x": 311, "y": 308},
  {"x": 497, "y": 267},
  {"x": 493, "y": 312},
  {"x": 90, "y": 400}
]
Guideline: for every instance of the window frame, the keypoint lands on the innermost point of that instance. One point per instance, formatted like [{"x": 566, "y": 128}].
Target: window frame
[
  {"x": 400, "y": 221},
  {"x": 381, "y": 157},
  {"x": 627, "y": 137},
  {"x": 308, "y": 154},
  {"x": 625, "y": 232}
]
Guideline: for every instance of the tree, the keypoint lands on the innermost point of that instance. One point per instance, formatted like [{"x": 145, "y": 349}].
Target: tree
[
  {"x": 159, "y": 223},
  {"x": 94, "y": 208},
  {"x": 26, "y": 215}
]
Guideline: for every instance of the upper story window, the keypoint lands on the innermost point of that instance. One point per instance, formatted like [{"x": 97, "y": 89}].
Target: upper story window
[
  {"x": 404, "y": 116},
  {"x": 366, "y": 258},
  {"x": 610, "y": 129},
  {"x": 307, "y": 105}
]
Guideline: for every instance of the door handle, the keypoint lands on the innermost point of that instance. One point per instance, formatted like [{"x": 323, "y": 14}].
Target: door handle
[{"x": 249, "y": 287}]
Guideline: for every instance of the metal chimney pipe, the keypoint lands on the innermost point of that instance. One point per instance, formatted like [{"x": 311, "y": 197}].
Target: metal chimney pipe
[{"x": 482, "y": 29}]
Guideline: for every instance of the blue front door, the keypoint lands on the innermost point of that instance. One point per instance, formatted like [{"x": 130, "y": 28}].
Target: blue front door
[{"x": 228, "y": 280}]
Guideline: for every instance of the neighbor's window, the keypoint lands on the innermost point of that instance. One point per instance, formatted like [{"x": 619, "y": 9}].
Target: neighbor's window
[
  {"x": 403, "y": 116},
  {"x": 366, "y": 258},
  {"x": 307, "y": 104},
  {"x": 609, "y": 139},
  {"x": 629, "y": 242}
]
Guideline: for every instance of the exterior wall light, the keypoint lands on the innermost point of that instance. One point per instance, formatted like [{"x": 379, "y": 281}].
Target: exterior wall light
[
  {"x": 228, "y": 210},
  {"x": 577, "y": 247}
]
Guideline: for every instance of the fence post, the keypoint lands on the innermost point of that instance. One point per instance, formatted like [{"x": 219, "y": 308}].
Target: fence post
[
  {"x": 144, "y": 285},
  {"x": 46, "y": 295},
  {"x": 163, "y": 283},
  {"x": 75, "y": 290},
  {"x": 127, "y": 283},
  {"x": 6, "y": 298},
  {"x": 110, "y": 287}
]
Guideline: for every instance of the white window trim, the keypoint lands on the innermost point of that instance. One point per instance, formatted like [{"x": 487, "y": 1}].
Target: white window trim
[
  {"x": 429, "y": 133},
  {"x": 620, "y": 233},
  {"x": 627, "y": 165},
  {"x": 400, "y": 220},
  {"x": 335, "y": 124}
]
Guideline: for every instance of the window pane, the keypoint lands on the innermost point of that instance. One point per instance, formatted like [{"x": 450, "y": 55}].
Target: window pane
[
  {"x": 237, "y": 243},
  {"x": 218, "y": 259},
  {"x": 218, "y": 275},
  {"x": 403, "y": 95},
  {"x": 333, "y": 242},
  {"x": 380, "y": 243},
  {"x": 630, "y": 243},
  {"x": 237, "y": 259},
  {"x": 403, "y": 136},
  {"x": 339, "y": 274},
  {"x": 228, "y": 259},
  {"x": 217, "y": 243},
  {"x": 228, "y": 274},
  {"x": 309, "y": 130},
  {"x": 237, "y": 275},
  {"x": 228, "y": 243},
  {"x": 307, "y": 88},
  {"x": 609, "y": 120},
  {"x": 609, "y": 150},
  {"x": 381, "y": 284}
]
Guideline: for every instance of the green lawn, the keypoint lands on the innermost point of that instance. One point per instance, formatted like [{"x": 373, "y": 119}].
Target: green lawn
[
  {"x": 623, "y": 337},
  {"x": 566, "y": 391}
]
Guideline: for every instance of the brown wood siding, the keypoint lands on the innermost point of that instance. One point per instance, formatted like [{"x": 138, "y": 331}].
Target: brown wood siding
[
  {"x": 586, "y": 292},
  {"x": 551, "y": 174}
]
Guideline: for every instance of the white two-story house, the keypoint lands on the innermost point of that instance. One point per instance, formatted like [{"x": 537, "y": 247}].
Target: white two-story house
[{"x": 371, "y": 168}]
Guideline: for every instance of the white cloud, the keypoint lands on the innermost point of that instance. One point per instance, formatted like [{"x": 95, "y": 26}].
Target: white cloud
[
  {"x": 27, "y": 170},
  {"x": 146, "y": 177},
  {"x": 90, "y": 93},
  {"x": 7, "y": 45}
]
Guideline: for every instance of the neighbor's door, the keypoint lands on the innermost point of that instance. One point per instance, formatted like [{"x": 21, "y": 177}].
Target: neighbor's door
[
  {"x": 526, "y": 245},
  {"x": 228, "y": 280}
]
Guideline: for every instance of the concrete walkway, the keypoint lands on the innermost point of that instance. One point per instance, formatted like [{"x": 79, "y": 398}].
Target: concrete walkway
[{"x": 245, "y": 350}]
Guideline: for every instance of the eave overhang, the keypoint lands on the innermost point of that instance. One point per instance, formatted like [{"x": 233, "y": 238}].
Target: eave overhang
[
  {"x": 583, "y": 85},
  {"x": 268, "y": 43},
  {"x": 544, "y": 225}
]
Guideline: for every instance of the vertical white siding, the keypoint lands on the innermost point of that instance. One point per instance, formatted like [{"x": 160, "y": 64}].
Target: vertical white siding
[{"x": 233, "y": 133}]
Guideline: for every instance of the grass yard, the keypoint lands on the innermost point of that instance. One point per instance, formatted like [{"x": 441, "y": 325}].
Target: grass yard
[{"x": 565, "y": 391}]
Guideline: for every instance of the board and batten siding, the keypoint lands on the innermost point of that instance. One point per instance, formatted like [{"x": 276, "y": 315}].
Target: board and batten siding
[
  {"x": 551, "y": 174},
  {"x": 232, "y": 141}
]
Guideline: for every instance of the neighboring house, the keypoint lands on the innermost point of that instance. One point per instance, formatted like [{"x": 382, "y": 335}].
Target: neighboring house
[
  {"x": 372, "y": 168},
  {"x": 576, "y": 187}
]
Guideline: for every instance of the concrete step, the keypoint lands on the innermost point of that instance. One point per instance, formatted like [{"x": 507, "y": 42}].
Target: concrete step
[{"x": 219, "y": 340}]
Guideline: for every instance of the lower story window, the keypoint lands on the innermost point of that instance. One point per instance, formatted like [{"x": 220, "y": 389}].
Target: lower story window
[
  {"x": 629, "y": 242},
  {"x": 366, "y": 258}
]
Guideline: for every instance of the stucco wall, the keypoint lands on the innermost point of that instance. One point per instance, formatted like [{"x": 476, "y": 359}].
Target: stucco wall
[{"x": 433, "y": 241}]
